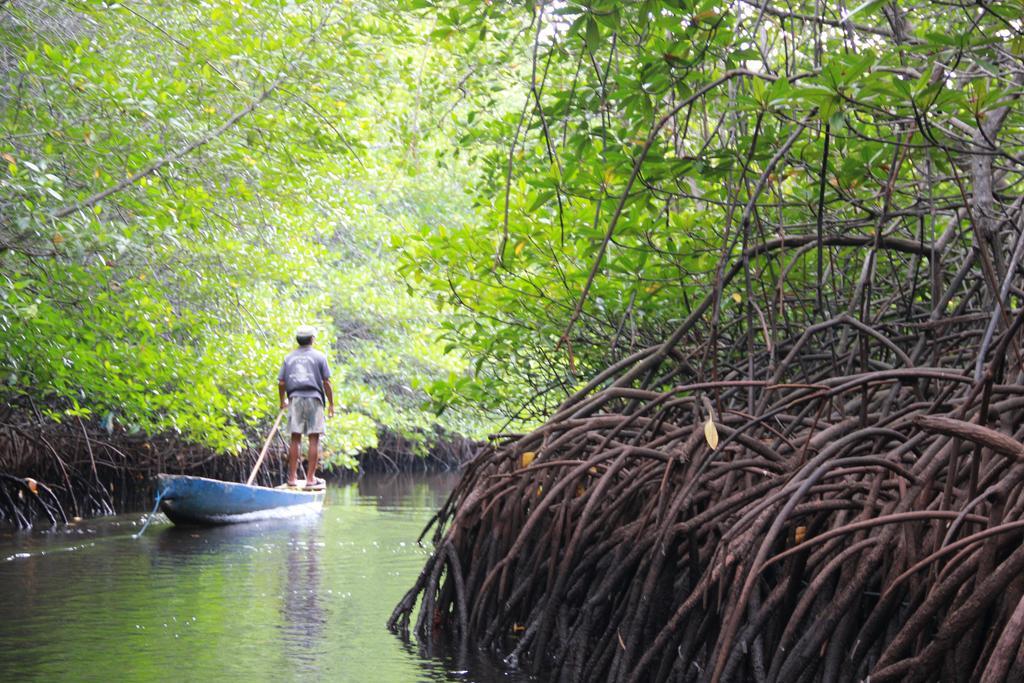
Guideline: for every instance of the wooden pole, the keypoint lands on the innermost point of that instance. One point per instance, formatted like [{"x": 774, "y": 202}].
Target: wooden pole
[{"x": 266, "y": 446}]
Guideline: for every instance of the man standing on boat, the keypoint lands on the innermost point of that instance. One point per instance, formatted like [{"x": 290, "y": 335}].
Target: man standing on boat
[{"x": 303, "y": 384}]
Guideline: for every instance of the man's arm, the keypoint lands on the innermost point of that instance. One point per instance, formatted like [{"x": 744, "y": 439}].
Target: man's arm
[
  {"x": 282, "y": 394},
  {"x": 330, "y": 397}
]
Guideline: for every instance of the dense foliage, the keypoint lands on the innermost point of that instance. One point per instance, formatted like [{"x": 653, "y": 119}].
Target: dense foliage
[
  {"x": 656, "y": 141},
  {"x": 183, "y": 183}
]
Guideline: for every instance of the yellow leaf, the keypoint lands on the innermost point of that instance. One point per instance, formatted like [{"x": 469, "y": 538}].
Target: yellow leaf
[
  {"x": 540, "y": 491},
  {"x": 736, "y": 297},
  {"x": 526, "y": 458},
  {"x": 711, "y": 433},
  {"x": 520, "y": 247}
]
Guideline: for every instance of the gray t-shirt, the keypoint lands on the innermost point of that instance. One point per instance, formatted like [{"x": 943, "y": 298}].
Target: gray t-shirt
[{"x": 304, "y": 371}]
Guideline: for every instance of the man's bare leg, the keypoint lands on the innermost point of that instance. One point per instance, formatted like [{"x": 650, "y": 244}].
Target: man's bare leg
[
  {"x": 293, "y": 457},
  {"x": 314, "y": 455}
]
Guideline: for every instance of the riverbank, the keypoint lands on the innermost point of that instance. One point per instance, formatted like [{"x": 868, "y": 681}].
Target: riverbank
[{"x": 52, "y": 472}]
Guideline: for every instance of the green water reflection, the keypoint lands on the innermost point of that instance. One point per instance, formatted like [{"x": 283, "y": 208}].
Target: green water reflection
[{"x": 285, "y": 600}]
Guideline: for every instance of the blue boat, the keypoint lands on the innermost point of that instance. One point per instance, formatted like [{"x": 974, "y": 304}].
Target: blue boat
[{"x": 198, "y": 500}]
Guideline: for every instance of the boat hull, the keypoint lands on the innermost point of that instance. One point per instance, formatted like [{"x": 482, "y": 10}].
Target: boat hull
[{"x": 198, "y": 500}]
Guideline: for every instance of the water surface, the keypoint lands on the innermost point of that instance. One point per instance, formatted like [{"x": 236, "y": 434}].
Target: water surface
[{"x": 283, "y": 600}]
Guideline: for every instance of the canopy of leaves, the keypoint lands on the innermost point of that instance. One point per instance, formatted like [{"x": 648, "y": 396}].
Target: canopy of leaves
[
  {"x": 183, "y": 183},
  {"x": 659, "y": 144}
]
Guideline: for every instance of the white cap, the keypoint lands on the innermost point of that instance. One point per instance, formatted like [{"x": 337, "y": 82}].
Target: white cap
[{"x": 305, "y": 331}]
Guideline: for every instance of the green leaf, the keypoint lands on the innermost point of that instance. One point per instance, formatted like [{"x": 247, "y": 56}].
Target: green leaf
[
  {"x": 593, "y": 34},
  {"x": 864, "y": 8}
]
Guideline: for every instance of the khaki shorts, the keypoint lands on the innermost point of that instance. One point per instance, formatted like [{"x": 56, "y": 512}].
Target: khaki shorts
[{"x": 306, "y": 415}]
